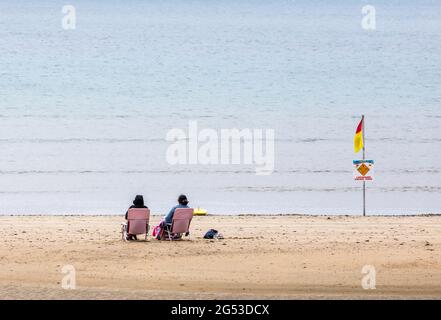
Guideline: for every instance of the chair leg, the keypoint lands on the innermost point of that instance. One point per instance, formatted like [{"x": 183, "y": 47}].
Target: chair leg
[
  {"x": 169, "y": 234},
  {"x": 167, "y": 231},
  {"x": 124, "y": 232}
]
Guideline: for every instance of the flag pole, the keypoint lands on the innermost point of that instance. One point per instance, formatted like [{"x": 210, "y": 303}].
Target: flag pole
[{"x": 364, "y": 158}]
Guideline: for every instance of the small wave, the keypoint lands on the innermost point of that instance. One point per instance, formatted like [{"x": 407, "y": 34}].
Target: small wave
[
  {"x": 83, "y": 171},
  {"x": 40, "y": 192},
  {"x": 281, "y": 189},
  {"x": 82, "y": 140},
  {"x": 433, "y": 116},
  {"x": 164, "y": 140},
  {"x": 288, "y": 189},
  {"x": 217, "y": 171},
  {"x": 80, "y": 116}
]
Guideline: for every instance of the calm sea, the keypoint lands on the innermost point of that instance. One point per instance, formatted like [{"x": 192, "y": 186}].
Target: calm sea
[{"x": 84, "y": 113}]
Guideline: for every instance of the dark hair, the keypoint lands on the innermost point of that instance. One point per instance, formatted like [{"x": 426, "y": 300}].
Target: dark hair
[
  {"x": 183, "y": 199},
  {"x": 139, "y": 201}
]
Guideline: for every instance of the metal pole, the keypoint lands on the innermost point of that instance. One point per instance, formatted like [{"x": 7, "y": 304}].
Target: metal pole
[{"x": 364, "y": 158}]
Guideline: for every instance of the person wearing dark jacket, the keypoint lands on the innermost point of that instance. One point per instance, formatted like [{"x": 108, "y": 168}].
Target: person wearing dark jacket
[{"x": 137, "y": 203}]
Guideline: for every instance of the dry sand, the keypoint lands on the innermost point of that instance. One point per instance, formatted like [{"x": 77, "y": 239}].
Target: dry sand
[{"x": 269, "y": 257}]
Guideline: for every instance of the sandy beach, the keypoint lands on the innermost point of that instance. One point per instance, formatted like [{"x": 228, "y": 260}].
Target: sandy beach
[{"x": 269, "y": 257}]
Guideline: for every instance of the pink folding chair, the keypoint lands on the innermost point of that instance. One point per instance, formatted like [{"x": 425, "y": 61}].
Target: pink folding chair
[
  {"x": 137, "y": 223},
  {"x": 180, "y": 224}
]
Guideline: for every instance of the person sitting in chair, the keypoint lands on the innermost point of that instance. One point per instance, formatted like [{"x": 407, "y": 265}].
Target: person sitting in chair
[
  {"x": 182, "y": 203},
  {"x": 137, "y": 203},
  {"x": 166, "y": 223}
]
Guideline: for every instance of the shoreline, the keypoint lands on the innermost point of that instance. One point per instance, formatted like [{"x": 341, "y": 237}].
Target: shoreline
[{"x": 230, "y": 215}]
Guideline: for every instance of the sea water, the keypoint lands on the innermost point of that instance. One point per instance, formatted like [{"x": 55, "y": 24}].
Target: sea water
[{"x": 84, "y": 113}]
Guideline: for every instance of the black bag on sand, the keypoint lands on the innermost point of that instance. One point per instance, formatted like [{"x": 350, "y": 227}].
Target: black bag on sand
[{"x": 210, "y": 234}]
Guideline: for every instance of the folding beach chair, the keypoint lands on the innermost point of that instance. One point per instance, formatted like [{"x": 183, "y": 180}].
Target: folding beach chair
[
  {"x": 180, "y": 224},
  {"x": 137, "y": 223}
]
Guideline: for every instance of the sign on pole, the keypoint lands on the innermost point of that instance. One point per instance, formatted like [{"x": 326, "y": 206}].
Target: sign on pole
[{"x": 363, "y": 170}]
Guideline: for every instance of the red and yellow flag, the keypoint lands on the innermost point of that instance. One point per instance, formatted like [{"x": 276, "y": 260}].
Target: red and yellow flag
[{"x": 358, "y": 140}]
